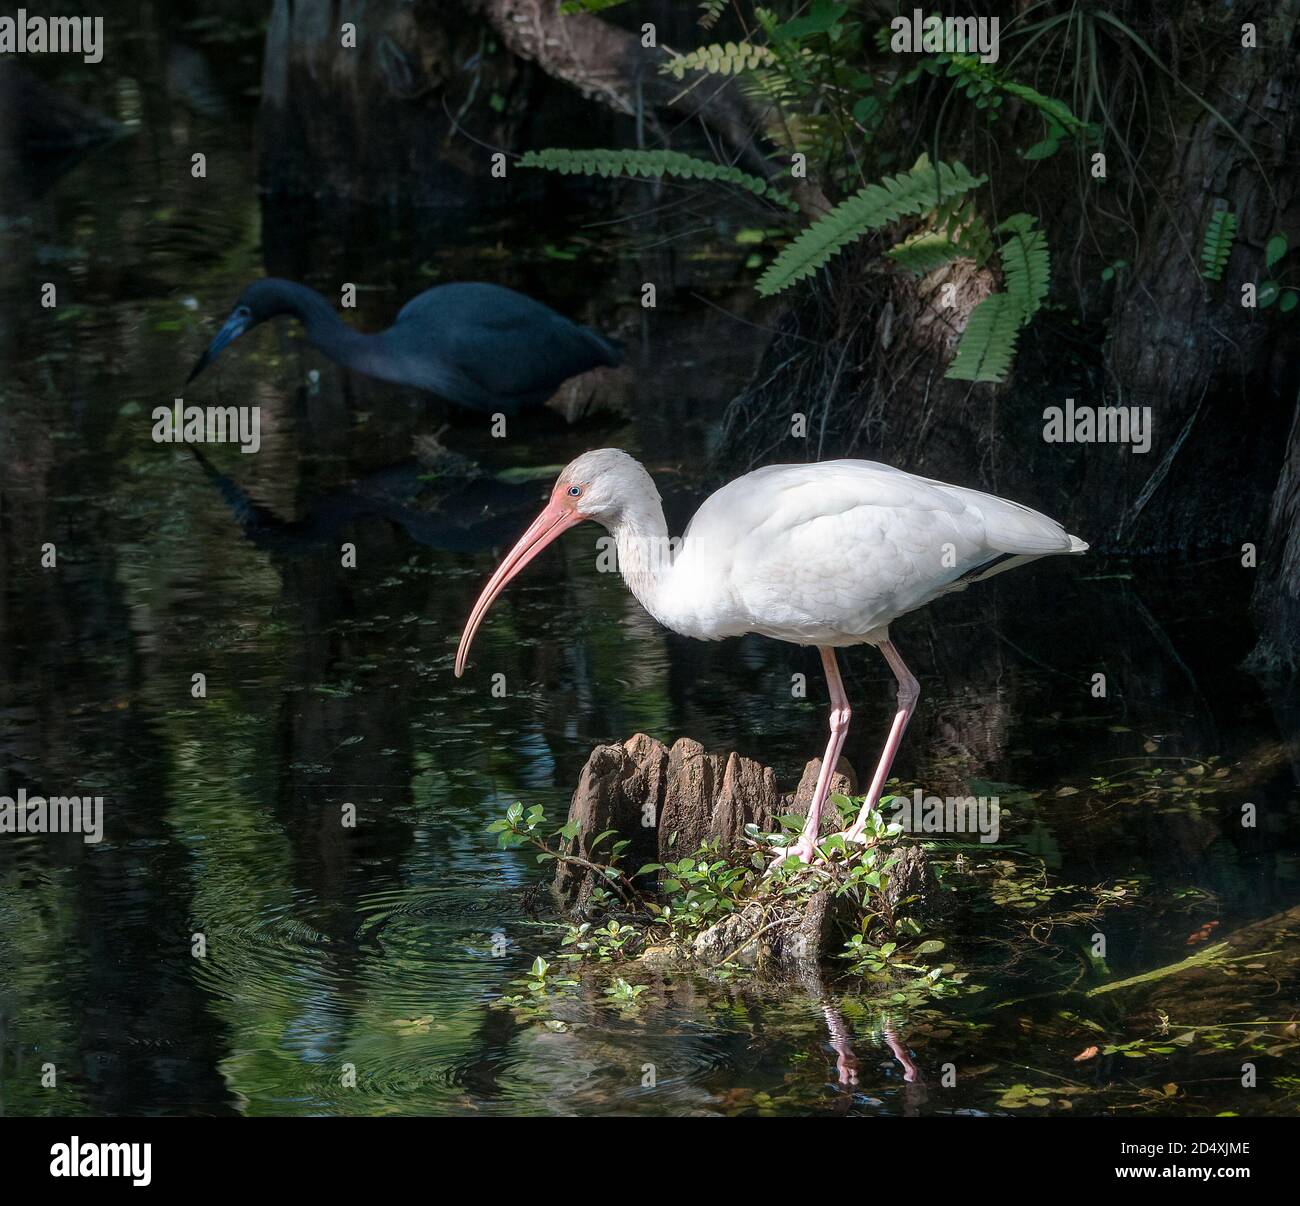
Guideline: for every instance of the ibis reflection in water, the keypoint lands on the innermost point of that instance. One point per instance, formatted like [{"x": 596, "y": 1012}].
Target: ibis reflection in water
[
  {"x": 483, "y": 347},
  {"x": 827, "y": 554}
]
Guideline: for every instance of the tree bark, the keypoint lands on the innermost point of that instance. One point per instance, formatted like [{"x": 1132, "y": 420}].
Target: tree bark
[
  {"x": 1277, "y": 594},
  {"x": 1221, "y": 377},
  {"x": 612, "y": 67}
]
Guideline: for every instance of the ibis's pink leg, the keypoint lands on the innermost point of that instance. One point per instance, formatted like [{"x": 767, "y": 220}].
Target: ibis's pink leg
[
  {"x": 806, "y": 846},
  {"x": 911, "y": 1073},
  {"x": 846, "y": 1062},
  {"x": 909, "y": 691}
]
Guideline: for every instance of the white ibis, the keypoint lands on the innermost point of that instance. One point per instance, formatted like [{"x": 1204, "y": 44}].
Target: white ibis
[{"x": 828, "y": 554}]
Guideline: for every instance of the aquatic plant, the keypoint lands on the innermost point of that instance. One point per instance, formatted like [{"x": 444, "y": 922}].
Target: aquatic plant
[
  {"x": 678, "y": 900},
  {"x": 519, "y": 827}
]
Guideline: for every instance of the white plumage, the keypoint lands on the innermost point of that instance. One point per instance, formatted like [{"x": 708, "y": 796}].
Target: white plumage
[
  {"x": 831, "y": 553},
  {"x": 828, "y": 554}
]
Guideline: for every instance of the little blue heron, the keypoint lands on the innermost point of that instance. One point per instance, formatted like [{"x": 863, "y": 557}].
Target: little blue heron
[{"x": 481, "y": 346}]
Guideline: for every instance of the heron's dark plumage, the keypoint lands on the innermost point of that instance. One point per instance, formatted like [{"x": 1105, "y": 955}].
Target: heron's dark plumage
[{"x": 481, "y": 346}]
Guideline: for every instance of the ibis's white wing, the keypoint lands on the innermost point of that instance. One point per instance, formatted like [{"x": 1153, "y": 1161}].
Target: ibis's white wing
[{"x": 830, "y": 553}]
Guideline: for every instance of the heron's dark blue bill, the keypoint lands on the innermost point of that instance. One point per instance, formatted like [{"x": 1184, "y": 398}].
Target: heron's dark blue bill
[{"x": 235, "y": 326}]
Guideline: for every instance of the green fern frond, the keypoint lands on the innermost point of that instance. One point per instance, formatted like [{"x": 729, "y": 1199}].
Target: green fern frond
[
  {"x": 963, "y": 226},
  {"x": 980, "y": 80},
  {"x": 712, "y": 10},
  {"x": 729, "y": 58},
  {"x": 989, "y": 340},
  {"x": 650, "y": 165},
  {"x": 912, "y": 192},
  {"x": 988, "y": 343},
  {"x": 1217, "y": 245},
  {"x": 1054, "y": 110},
  {"x": 569, "y": 7},
  {"x": 922, "y": 253},
  {"x": 785, "y": 105},
  {"x": 1026, "y": 263},
  {"x": 771, "y": 86},
  {"x": 955, "y": 232}
]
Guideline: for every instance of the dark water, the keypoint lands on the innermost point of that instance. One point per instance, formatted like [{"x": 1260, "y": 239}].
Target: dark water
[{"x": 381, "y": 946}]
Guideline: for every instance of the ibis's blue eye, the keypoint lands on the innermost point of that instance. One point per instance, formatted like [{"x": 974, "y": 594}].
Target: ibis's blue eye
[{"x": 575, "y": 491}]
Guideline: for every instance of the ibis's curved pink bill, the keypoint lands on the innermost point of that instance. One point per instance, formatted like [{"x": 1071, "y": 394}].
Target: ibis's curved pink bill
[{"x": 557, "y": 516}]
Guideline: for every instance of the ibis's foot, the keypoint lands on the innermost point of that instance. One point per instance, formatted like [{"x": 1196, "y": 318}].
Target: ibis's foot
[
  {"x": 846, "y": 1065},
  {"x": 804, "y": 850}
]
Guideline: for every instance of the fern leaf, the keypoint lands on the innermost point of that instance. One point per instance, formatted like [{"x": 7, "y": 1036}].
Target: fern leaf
[
  {"x": 980, "y": 80},
  {"x": 650, "y": 165},
  {"x": 989, "y": 341},
  {"x": 1054, "y": 110},
  {"x": 924, "y": 252},
  {"x": 1026, "y": 263},
  {"x": 962, "y": 224},
  {"x": 783, "y": 102},
  {"x": 729, "y": 58},
  {"x": 912, "y": 192},
  {"x": 569, "y": 7},
  {"x": 1217, "y": 246},
  {"x": 711, "y": 11}
]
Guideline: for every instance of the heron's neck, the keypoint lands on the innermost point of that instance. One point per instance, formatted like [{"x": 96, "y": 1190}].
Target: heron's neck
[
  {"x": 645, "y": 555},
  {"x": 326, "y": 331}
]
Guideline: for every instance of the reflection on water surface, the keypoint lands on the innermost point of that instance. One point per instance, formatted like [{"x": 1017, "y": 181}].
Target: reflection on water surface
[{"x": 381, "y": 946}]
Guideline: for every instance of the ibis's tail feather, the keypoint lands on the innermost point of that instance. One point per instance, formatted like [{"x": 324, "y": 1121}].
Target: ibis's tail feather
[
  {"x": 1011, "y": 527},
  {"x": 1017, "y": 533}
]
